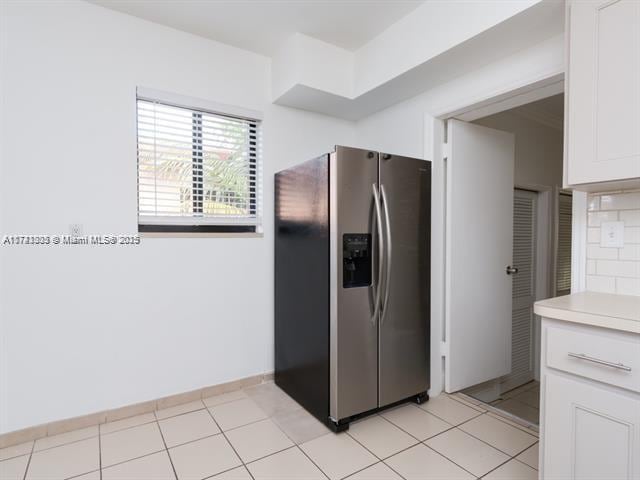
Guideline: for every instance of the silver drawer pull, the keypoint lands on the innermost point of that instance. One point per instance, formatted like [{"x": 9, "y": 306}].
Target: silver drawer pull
[{"x": 582, "y": 356}]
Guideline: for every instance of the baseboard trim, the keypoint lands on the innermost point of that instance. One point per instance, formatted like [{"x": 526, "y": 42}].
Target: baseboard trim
[{"x": 65, "y": 425}]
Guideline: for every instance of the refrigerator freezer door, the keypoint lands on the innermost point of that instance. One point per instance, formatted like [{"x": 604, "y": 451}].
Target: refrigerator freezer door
[
  {"x": 404, "y": 324},
  {"x": 353, "y": 333}
]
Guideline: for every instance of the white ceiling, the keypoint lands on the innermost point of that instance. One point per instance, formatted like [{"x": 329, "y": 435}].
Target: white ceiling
[
  {"x": 548, "y": 111},
  {"x": 262, "y": 25}
]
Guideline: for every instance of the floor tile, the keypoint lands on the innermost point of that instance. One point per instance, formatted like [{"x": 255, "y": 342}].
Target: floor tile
[
  {"x": 179, "y": 409},
  {"x": 519, "y": 409},
  {"x": 380, "y": 437},
  {"x": 530, "y": 397},
  {"x": 468, "y": 452},
  {"x": 498, "y": 434},
  {"x": 64, "y": 438},
  {"x": 271, "y": 399},
  {"x": 338, "y": 455},
  {"x": 240, "y": 473},
  {"x": 379, "y": 471},
  {"x": 130, "y": 443},
  {"x": 65, "y": 461},
  {"x": 187, "y": 427},
  {"x": 416, "y": 421},
  {"x": 89, "y": 476},
  {"x": 421, "y": 463},
  {"x": 469, "y": 401},
  {"x": 513, "y": 423},
  {"x": 290, "y": 464},
  {"x": 299, "y": 425},
  {"x": 203, "y": 458},
  {"x": 224, "y": 398},
  {"x": 258, "y": 440},
  {"x": 14, "y": 468},
  {"x": 530, "y": 456},
  {"x": 521, "y": 389},
  {"x": 135, "y": 421},
  {"x": 513, "y": 470},
  {"x": 449, "y": 410},
  {"x": 238, "y": 413},
  {"x": 152, "y": 467},
  {"x": 15, "y": 450}
]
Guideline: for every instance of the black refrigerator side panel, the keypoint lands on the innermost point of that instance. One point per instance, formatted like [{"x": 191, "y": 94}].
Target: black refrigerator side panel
[{"x": 302, "y": 284}]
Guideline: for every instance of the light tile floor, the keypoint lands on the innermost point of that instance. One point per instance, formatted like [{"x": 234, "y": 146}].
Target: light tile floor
[
  {"x": 262, "y": 434},
  {"x": 523, "y": 402}
]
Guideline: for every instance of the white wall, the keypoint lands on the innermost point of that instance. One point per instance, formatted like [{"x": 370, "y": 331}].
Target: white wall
[{"x": 84, "y": 329}]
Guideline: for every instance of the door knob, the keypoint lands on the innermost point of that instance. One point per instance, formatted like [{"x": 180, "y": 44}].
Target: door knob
[{"x": 512, "y": 270}]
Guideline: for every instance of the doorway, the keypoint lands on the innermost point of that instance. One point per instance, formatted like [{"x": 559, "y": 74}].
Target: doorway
[{"x": 540, "y": 255}]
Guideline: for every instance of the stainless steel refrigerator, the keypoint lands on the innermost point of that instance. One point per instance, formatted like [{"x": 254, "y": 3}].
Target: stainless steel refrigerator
[{"x": 352, "y": 281}]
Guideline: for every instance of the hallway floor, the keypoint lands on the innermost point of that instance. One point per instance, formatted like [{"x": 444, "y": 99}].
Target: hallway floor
[
  {"x": 523, "y": 402},
  {"x": 261, "y": 433}
]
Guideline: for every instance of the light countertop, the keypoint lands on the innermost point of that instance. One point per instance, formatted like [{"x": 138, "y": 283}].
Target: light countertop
[{"x": 618, "y": 312}]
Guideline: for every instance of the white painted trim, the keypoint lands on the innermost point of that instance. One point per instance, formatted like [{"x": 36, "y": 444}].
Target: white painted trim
[
  {"x": 528, "y": 96},
  {"x": 434, "y": 135},
  {"x": 198, "y": 103},
  {"x": 505, "y": 97},
  {"x": 579, "y": 242}
]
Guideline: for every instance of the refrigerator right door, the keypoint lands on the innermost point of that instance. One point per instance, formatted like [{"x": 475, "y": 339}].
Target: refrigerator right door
[{"x": 403, "y": 365}]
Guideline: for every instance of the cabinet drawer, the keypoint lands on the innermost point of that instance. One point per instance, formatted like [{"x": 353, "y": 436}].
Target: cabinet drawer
[{"x": 608, "y": 359}]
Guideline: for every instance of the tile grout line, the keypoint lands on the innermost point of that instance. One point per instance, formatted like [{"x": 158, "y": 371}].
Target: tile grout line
[
  {"x": 420, "y": 441},
  {"x": 100, "y": 452},
  {"x": 229, "y": 442},
  {"x": 448, "y": 459},
  {"x": 502, "y": 418},
  {"x": 311, "y": 460},
  {"x": 166, "y": 449},
  {"x": 26, "y": 470}
]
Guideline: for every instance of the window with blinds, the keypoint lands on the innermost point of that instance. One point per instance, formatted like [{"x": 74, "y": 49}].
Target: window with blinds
[
  {"x": 197, "y": 170},
  {"x": 563, "y": 258}
]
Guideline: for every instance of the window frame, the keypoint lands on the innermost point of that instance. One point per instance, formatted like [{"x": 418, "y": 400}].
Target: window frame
[{"x": 198, "y": 107}]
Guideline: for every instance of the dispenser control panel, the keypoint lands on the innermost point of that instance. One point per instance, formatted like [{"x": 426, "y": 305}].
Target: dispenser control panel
[{"x": 356, "y": 260}]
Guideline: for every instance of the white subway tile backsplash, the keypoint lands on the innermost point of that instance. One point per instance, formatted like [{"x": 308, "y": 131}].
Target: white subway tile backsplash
[
  {"x": 593, "y": 235},
  {"x": 596, "y": 283},
  {"x": 614, "y": 270},
  {"x": 628, "y": 286},
  {"x": 630, "y": 252},
  {"x": 596, "y": 218},
  {"x": 620, "y": 201},
  {"x": 596, "y": 252},
  {"x": 631, "y": 235},
  {"x": 631, "y": 218}
]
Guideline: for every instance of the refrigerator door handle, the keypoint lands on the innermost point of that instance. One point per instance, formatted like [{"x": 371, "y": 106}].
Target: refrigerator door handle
[
  {"x": 388, "y": 248},
  {"x": 378, "y": 287}
]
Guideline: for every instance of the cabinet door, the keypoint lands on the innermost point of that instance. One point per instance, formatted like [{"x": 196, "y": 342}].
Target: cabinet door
[
  {"x": 589, "y": 432},
  {"x": 603, "y": 88}
]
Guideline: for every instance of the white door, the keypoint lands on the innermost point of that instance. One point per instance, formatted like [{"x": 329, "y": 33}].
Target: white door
[
  {"x": 523, "y": 290},
  {"x": 479, "y": 230}
]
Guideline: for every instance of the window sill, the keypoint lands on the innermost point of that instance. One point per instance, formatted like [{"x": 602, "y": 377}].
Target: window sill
[{"x": 200, "y": 235}]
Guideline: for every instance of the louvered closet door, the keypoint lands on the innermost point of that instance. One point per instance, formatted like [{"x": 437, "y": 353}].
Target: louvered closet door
[{"x": 523, "y": 291}]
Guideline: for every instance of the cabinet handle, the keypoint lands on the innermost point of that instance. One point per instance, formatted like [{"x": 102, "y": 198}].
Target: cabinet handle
[{"x": 582, "y": 356}]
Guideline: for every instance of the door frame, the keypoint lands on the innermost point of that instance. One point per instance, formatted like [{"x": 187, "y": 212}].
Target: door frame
[{"x": 435, "y": 148}]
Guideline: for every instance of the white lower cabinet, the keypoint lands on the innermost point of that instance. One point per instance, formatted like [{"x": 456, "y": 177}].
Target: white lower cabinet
[{"x": 590, "y": 428}]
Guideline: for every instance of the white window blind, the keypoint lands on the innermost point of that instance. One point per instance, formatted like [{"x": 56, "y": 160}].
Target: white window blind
[
  {"x": 196, "y": 169},
  {"x": 563, "y": 260}
]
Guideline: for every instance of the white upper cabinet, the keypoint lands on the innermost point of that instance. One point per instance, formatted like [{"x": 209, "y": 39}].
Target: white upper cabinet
[{"x": 603, "y": 93}]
